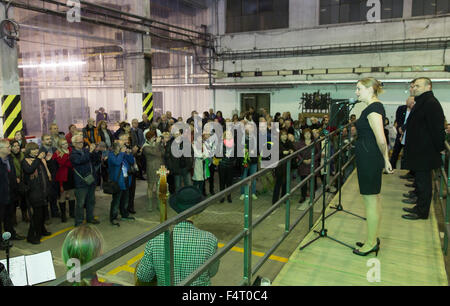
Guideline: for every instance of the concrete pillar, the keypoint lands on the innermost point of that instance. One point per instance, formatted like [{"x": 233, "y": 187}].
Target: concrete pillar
[
  {"x": 11, "y": 106},
  {"x": 407, "y": 8},
  {"x": 137, "y": 67}
]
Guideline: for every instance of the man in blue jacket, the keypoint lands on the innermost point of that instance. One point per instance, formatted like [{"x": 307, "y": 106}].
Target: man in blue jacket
[
  {"x": 84, "y": 162},
  {"x": 120, "y": 161}
]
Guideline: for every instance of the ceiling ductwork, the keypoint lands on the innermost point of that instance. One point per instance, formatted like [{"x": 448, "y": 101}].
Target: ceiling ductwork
[{"x": 329, "y": 71}]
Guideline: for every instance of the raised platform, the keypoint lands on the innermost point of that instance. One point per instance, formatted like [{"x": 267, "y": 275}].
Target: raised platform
[{"x": 410, "y": 253}]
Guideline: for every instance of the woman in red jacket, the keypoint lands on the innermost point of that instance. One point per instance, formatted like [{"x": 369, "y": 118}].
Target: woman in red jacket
[{"x": 64, "y": 176}]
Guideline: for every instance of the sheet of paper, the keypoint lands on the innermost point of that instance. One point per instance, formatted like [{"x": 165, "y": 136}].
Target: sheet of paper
[
  {"x": 18, "y": 272},
  {"x": 40, "y": 268}
]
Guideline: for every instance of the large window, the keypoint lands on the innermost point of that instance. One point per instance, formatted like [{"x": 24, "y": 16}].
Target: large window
[
  {"x": 256, "y": 15},
  {"x": 430, "y": 7},
  {"x": 343, "y": 11}
]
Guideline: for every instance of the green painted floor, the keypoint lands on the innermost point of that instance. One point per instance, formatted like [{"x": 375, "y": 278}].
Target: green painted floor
[{"x": 410, "y": 253}]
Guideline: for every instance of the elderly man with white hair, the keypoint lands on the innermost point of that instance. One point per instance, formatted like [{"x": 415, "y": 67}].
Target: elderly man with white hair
[{"x": 84, "y": 162}]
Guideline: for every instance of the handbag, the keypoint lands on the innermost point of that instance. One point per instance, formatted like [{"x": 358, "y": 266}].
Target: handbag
[
  {"x": 89, "y": 179},
  {"x": 111, "y": 187}
]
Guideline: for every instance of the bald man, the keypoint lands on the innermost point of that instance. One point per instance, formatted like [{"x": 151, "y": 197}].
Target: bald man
[{"x": 425, "y": 137}]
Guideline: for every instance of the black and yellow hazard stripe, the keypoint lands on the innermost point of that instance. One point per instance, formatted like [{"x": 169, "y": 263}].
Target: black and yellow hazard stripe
[
  {"x": 147, "y": 103},
  {"x": 12, "y": 115}
]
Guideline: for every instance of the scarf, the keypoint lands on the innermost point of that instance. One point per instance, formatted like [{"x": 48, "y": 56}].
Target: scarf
[{"x": 17, "y": 159}]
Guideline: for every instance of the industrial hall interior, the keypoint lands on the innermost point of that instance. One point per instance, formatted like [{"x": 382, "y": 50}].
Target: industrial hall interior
[{"x": 224, "y": 143}]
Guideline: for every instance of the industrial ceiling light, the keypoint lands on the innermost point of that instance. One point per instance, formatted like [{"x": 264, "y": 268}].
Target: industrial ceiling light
[{"x": 54, "y": 65}]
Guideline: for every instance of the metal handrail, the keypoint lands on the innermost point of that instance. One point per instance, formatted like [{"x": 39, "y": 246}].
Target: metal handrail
[
  {"x": 167, "y": 227},
  {"x": 440, "y": 174}
]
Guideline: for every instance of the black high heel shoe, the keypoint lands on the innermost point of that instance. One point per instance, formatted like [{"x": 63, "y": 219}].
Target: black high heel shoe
[
  {"x": 360, "y": 244},
  {"x": 375, "y": 249}
]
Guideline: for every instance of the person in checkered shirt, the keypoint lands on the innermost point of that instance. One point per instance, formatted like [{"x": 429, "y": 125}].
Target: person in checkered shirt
[{"x": 192, "y": 246}]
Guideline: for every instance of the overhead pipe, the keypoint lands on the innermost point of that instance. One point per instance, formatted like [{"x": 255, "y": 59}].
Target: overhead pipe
[
  {"x": 137, "y": 17},
  {"x": 117, "y": 17},
  {"x": 99, "y": 22}
]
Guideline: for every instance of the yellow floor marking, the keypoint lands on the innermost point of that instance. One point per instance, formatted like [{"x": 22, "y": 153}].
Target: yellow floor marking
[
  {"x": 259, "y": 254},
  {"x": 134, "y": 259},
  {"x": 129, "y": 269},
  {"x": 57, "y": 233}
]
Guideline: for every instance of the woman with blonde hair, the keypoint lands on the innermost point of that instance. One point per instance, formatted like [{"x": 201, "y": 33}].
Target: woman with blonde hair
[
  {"x": 82, "y": 245},
  {"x": 371, "y": 157},
  {"x": 64, "y": 177}
]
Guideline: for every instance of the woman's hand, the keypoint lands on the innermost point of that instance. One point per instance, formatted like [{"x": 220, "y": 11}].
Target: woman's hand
[{"x": 388, "y": 167}]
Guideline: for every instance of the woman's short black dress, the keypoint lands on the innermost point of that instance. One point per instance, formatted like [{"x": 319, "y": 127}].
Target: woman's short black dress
[{"x": 369, "y": 160}]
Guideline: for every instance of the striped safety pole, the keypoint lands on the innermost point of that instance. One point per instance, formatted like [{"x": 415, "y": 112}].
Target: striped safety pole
[
  {"x": 12, "y": 115},
  {"x": 147, "y": 103}
]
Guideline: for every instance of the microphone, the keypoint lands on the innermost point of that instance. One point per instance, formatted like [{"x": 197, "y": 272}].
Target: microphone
[
  {"x": 6, "y": 236},
  {"x": 351, "y": 101}
]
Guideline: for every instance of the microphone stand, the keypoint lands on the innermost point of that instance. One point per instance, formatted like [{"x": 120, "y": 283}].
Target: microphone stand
[
  {"x": 7, "y": 256},
  {"x": 6, "y": 241},
  {"x": 323, "y": 233},
  {"x": 339, "y": 206}
]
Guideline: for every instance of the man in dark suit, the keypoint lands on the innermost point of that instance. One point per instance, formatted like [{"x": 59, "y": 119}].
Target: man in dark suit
[
  {"x": 8, "y": 190},
  {"x": 138, "y": 140},
  {"x": 163, "y": 126},
  {"x": 425, "y": 138},
  {"x": 400, "y": 121}
]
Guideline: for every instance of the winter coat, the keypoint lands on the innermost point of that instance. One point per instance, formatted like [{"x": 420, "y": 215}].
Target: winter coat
[
  {"x": 117, "y": 164},
  {"x": 36, "y": 178}
]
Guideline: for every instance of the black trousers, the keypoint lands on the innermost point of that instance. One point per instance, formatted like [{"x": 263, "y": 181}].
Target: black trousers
[
  {"x": 6, "y": 219},
  {"x": 210, "y": 180},
  {"x": 132, "y": 193},
  {"x": 171, "y": 182},
  {"x": 396, "y": 152},
  {"x": 212, "y": 170},
  {"x": 225, "y": 178},
  {"x": 37, "y": 223},
  {"x": 52, "y": 199},
  {"x": 424, "y": 192},
  {"x": 304, "y": 187},
  {"x": 280, "y": 185}
]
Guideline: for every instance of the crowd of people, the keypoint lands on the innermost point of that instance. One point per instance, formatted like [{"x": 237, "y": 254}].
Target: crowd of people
[{"x": 58, "y": 179}]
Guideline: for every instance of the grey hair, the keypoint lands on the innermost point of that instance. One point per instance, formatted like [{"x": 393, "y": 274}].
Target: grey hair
[{"x": 74, "y": 137}]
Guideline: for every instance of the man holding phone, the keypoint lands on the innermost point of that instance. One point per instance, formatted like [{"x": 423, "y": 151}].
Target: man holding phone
[
  {"x": 48, "y": 149},
  {"x": 84, "y": 162}
]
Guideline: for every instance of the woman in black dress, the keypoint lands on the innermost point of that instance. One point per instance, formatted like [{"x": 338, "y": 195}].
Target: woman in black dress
[
  {"x": 371, "y": 157},
  {"x": 37, "y": 177}
]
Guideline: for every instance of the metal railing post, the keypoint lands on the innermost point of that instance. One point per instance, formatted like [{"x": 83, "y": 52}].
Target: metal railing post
[
  {"x": 447, "y": 208},
  {"x": 288, "y": 191},
  {"x": 441, "y": 181},
  {"x": 248, "y": 236},
  {"x": 168, "y": 256},
  {"x": 326, "y": 164},
  {"x": 340, "y": 166},
  {"x": 312, "y": 188},
  {"x": 327, "y": 157}
]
